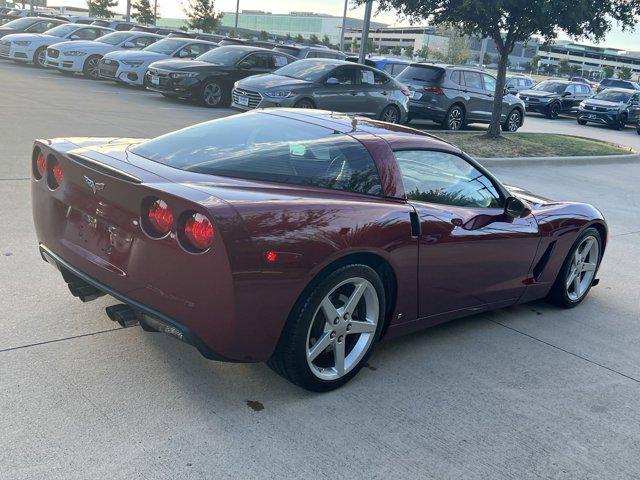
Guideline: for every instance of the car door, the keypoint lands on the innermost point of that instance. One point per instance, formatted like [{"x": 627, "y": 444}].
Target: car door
[
  {"x": 253, "y": 64},
  {"x": 568, "y": 99},
  {"x": 489, "y": 83},
  {"x": 373, "y": 94},
  {"x": 474, "y": 88},
  {"x": 472, "y": 256},
  {"x": 338, "y": 90},
  {"x": 634, "y": 108}
]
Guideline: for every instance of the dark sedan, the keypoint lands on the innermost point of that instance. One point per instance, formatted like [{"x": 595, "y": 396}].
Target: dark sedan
[
  {"x": 209, "y": 78},
  {"x": 614, "y": 107},
  {"x": 553, "y": 97},
  {"x": 29, "y": 25},
  {"x": 301, "y": 238},
  {"x": 327, "y": 84}
]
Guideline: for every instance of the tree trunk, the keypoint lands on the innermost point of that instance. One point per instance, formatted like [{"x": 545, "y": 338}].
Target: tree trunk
[{"x": 496, "y": 120}]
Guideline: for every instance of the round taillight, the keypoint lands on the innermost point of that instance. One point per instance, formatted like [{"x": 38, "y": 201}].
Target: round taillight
[
  {"x": 54, "y": 178},
  {"x": 41, "y": 166},
  {"x": 198, "y": 231},
  {"x": 160, "y": 217}
]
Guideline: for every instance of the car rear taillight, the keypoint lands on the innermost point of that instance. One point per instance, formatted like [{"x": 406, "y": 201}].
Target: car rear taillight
[
  {"x": 434, "y": 90},
  {"x": 39, "y": 164},
  {"x": 198, "y": 232},
  {"x": 54, "y": 170},
  {"x": 159, "y": 218},
  {"x": 405, "y": 91}
]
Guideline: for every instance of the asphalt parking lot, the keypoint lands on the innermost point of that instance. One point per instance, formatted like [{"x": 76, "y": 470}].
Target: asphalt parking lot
[{"x": 526, "y": 392}]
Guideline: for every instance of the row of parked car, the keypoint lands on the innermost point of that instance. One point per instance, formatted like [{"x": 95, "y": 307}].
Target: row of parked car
[{"x": 220, "y": 71}]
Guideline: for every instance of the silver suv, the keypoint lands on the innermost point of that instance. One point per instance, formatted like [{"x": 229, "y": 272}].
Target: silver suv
[{"x": 455, "y": 96}]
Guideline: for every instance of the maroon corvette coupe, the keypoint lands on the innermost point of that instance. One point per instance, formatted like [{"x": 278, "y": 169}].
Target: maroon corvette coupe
[{"x": 300, "y": 237}]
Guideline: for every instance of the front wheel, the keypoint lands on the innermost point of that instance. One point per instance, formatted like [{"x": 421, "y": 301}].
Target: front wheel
[
  {"x": 332, "y": 331},
  {"x": 390, "y": 114},
  {"x": 40, "y": 57},
  {"x": 622, "y": 122},
  {"x": 212, "y": 94},
  {"x": 91, "y": 67},
  {"x": 578, "y": 270},
  {"x": 553, "y": 111},
  {"x": 513, "y": 121},
  {"x": 454, "y": 120},
  {"x": 582, "y": 122}
]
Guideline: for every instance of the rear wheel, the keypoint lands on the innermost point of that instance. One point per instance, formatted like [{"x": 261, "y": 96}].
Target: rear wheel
[
  {"x": 91, "y": 67},
  {"x": 212, "y": 94},
  {"x": 454, "y": 120},
  {"x": 578, "y": 270},
  {"x": 390, "y": 114},
  {"x": 304, "y": 103},
  {"x": 40, "y": 57},
  {"x": 513, "y": 121},
  {"x": 553, "y": 111},
  {"x": 332, "y": 330}
]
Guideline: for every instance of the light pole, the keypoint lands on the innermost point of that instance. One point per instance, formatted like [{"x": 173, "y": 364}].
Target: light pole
[
  {"x": 365, "y": 32},
  {"x": 235, "y": 28},
  {"x": 128, "y": 15},
  {"x": 155, "y": 12},
  {"x": 344, "y": 24}
]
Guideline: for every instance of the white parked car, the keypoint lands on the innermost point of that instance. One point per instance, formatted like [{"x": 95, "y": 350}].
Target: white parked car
[
  {"x": 130, "y": 67},
  {"x": 84, "y": 57},
  {"x": 32, "y": 47}
]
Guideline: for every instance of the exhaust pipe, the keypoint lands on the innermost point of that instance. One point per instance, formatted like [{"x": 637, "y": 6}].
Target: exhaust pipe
[
  {"x": 123, "y": 314},
  {"x": 84, "y": 291}
]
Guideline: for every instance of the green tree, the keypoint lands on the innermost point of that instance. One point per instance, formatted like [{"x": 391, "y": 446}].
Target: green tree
[
  {"x": 458, "y": 51},
  {"x": 326, "y": 41},
  {"x": 313, "y": 38},
  {"x": 354, "y": 45},
  {"x": 534, "y": 63},
  {"x": 607, "y": 71},
  {"x": 508, "y": 22},
  {"x": 201, "y": 15},
  {"x": 486, "y": 58},
  {"x": 408, "y": 51},
  {"x": 423, "y": 52},
  {"x": 564, "y": 68},
  {"x": 624, "y": 73},
  {"x": 142, "y": 12},
  {"x": 264, "y": 35},
  {"x": 397, "y": 51},
  {"x": 299, "y": 38},
  {"x": 102, "y": 8}
]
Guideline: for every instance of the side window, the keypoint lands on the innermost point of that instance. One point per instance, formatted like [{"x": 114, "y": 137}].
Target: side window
[
  {"x": 196, "y": 49},
  {"x": 398, "y": 68},
  {"x": 367, "y": 77},
  {"x": 88, "y": 33},
  {"x": 279, "y": 60},
  {"x": 445, "y": 179},
  {"x": 311, "y": 54},
  {"x": 258, "y": 61},
  {"x": 473, "y": 80},
  {"x": 388, "y": 68},
  {"x": 41, "y": 27},
  {"x": 141, "y": 42},
  {"x": 570, "y": 89},
  {"x": 489, "y": 83},
  {"x": 456, "y": 77},
  {"x": 344, "y": 75}
]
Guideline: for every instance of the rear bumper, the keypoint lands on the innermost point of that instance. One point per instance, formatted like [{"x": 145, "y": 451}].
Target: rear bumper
[
  {"x": 150, "y": 317},
  {"x": 427, "y": 111}
]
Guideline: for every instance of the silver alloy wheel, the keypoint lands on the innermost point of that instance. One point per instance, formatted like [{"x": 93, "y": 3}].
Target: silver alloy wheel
[
  {"x": 41, "y": 58},
  {"x": 93, "y": 65},
  {"x": 342, "y": 329},
  {"x": 390, "y": 115},
  {"x": 514, "y": 121},
  {"x": 212, "y": 94},
  {"x": 454, "y": 120},
  {"x": 582, "y": 268}
]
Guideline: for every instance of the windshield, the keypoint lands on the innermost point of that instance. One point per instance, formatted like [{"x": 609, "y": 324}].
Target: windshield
[
  {"x": 227, "y": 56},
  {"x": 62, "y": 30},
  {"x": 20, "y": 23},
  {"x": 551, "y": 87},
  {"x": 166, "y": 46},
  {"x": 268, "y": 148},
  {"x": 309, "y": 70},
  {"x": 115, "y": 38},
  {"x": 421, "y": 74},
  {"x": 622, "y": 97}
]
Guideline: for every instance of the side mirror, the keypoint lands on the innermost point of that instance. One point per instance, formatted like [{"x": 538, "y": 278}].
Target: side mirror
[
  {"x": 332, "y": 81},
  {"x": 516, "y": 208},
  {"x": 183, "y": 53},
  {"x": 74, "y": 37},
  {"x": 566, "y": 94},
  {"x": 129, "y": 45}
]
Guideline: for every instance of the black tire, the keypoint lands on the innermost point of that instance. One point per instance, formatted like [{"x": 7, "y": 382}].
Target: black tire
[
  {"x": 304, "y": 103},
  {"x": 290, "y": 357},
  {"x": 39, "y": 57},
  {"x": 213, "y": 94},
  {"x": 553, "y": 111},
  {"x": 513, "y": 121},
  {"x": 454, "y": 119},
  {"x": 558, "y": 294},
  {"x": 391, "y": 114},
  {"x": 622, "y": 122},
  {"x": 90, "y": 68},
  {"x": 582, "y": 122}
]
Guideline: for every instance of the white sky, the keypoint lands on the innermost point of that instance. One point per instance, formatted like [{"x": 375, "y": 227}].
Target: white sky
[{"x": 174, "y": 9}]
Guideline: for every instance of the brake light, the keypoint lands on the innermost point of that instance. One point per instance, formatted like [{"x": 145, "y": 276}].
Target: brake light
[
  {"x": 198, "y": 231},
  {"x": 57, "y": 173},
  {"x": 41, "y": 166},
  {"x": 160, "y": 217},
  {"x": 405, "y": 91},
  {"x": 54, "y": 179},
  {"x": 434, "y": 90}
]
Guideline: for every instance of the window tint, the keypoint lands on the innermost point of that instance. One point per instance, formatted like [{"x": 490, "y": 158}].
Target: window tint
[
  {"x": 489, "y": 83},
  {"x": 571, "y": 89},
  {"x": 473, "y": 80},
  {"x": 446, "y": 179},
  {"x": 422, "y": 74},
  {"x": 388, "y": 68},
  {"x": 196, "y": 49},
  {"x": 258, "y": 60},
  {"x": 88, "y": 33},
  {"x": 344, "y": 75},
  {"x": 280, "y": 60},
  {"x": 370, "y": 77},
  {"x": 268, "y": 148},
  {"x": 456, "y": 77},
  {"x": 141, "y": 42},
  {"x": 41, "y": 27}
]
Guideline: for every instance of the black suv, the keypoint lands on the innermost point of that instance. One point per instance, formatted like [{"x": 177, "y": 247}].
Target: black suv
[
  {"x": 617, "y": 83},
  {"x": 614, "y": 107},
  {"x": 456, "y": 96},
  {"x": 553, "y": 97}
]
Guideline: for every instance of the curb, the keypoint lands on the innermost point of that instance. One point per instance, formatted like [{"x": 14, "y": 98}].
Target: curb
[{"x": 581, "y": 160}]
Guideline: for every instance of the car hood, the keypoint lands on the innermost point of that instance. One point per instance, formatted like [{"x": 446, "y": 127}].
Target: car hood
[
  {"x": 190, "y": 65},
  {"x": 603, "y": 103},
  {"x": 85, "y": 45},
  {"x": 538, "y": 93},
  {"x": 136, "y": 55},
  {"x": 269, "y": 80},
  {"x": 27, "y": 36},
  {"x": 532, "y": 198}
]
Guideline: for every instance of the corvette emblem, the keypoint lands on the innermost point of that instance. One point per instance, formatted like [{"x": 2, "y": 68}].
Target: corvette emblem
[{"x": 94, "y": 186}]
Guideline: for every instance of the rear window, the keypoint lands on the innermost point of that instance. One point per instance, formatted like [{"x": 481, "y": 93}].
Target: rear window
[
  {"x": 275, "y": 149},
  {"x": 421, "y": 74}
]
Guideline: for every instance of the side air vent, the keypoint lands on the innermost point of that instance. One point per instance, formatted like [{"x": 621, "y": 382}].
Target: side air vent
[
  {"x": 102, "y": 168},
  {"x": 542, "y": 263}
]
